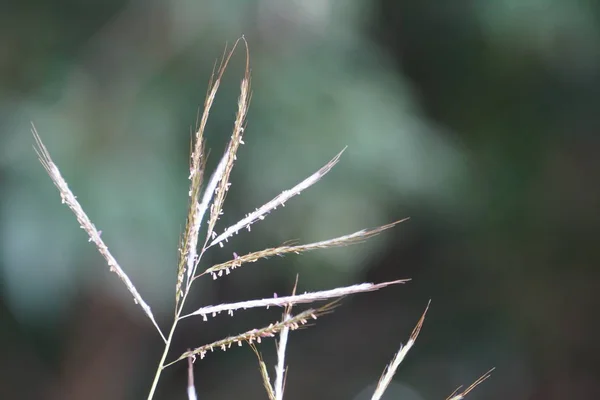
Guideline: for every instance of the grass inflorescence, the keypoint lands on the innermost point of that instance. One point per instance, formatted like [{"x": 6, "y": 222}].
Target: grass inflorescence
[{"x": 206, "y": 200}]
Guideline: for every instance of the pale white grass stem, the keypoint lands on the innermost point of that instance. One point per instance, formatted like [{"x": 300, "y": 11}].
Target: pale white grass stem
[
  {"x": 285, "y": 301},
  {"x": 279, "y": 200},
  {"x": 191, "y": 388},
  {"x": 212, "y": 185},
  {"x": 86, "y": 224},
  {"x": 280, "y": 367}
]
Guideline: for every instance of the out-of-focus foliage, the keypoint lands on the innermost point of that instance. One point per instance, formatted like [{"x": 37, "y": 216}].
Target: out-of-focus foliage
[{"x": 476, "y": 118}]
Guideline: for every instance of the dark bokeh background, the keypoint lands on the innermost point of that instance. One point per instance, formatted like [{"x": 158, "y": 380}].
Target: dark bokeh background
[{"x": 478, "y": 119}]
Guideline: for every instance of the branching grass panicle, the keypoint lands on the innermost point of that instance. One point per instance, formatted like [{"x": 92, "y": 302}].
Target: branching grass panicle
[{"x": 208, "y": 203}]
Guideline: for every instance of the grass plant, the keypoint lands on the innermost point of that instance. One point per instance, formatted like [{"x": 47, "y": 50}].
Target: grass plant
[{"x": 206, "y": 201}]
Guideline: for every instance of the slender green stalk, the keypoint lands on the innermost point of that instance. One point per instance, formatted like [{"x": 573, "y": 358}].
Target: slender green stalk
[
  {"x": 163, "y": 359},
  {"x": 161, "y": 364}
]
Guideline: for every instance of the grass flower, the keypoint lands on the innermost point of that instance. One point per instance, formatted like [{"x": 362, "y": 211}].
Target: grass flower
[{"x": 195, "y": 242}]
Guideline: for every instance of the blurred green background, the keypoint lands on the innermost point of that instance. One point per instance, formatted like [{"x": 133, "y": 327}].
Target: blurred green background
[{"x": 478, "y": 119}]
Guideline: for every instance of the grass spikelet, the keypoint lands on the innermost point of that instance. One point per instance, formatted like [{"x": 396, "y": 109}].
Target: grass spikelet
[
  {"x": 291, "y": 300},
  {"x": 86, "y": 224},
  {"x": 280, "y": 200},
  {"x": 461, "y": 395},
  {"x": 232, "y": 148},
  {"x": 345, "y": 240},
  {"x": 264, "y": 373},
  {"x": 189, "y": 243},
  {"x": 255, "y": 335},
  {"x": 390, "y": 370}
]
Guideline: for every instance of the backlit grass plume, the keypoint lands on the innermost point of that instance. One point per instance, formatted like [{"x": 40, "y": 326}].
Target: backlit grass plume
[{"x": 204, "y": 210}]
